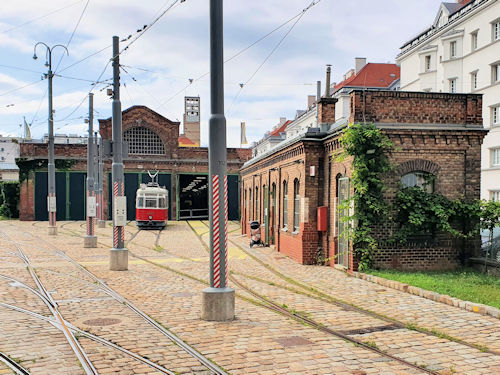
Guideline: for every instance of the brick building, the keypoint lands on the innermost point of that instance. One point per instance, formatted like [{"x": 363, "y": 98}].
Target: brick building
[
  {"x": 433, "y": 133},
  {"x": 154, "y": 144}
]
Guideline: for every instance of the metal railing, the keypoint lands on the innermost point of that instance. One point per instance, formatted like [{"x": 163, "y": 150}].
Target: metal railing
[{"x": 198, "y": 213}]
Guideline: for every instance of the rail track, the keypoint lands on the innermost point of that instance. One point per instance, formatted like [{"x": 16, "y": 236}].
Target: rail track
[
  {"x": 46, "y": 297},
  {"x": 13, "y": 365},
  {"x": 174, "y": 338},
  {"x": 312, "y": 293}
]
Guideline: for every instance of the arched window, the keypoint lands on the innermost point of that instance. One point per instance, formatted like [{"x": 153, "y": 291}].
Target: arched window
[
  {"x": 142, "y": 141},
  {"x": 285, "y": 205},
  {"x": 422, "y": 180},
  {"x": 296, "y": 205}
]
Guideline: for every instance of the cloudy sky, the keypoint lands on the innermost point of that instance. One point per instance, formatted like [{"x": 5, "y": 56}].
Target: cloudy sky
[{"x": 160, "y": 63}]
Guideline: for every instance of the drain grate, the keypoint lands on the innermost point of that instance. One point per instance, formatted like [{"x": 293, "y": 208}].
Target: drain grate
[
  {"x": 100, "y": 322},
  {"x": 362, "y": 331},
  {"x": 292, "y": 341}
]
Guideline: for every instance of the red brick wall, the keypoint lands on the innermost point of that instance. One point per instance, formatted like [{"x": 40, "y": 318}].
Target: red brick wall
[
  {"x": 402, "y": 107},
  {"x": 177, "y": 159},
  {"x": 452, "y": 155}
]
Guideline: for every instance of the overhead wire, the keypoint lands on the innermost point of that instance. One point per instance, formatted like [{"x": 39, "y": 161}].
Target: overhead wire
[
  {"x": 191, "y": 81},
  {"x": 73, "y": 33},
  {"x": 40, "y": 17},
  {"x": 145, "y": 28},
  {"x": 141, "y": 32},
  {"x": 243, "y": 85}
]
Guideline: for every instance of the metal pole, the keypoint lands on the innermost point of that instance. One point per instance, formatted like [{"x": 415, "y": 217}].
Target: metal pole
[
  {"x": 51, "y": 165},
  {"x": 51, "y": 188},
  {"x": 90, "y": 240},
  {"x": 118, "y": 254},
  {"x": 102, "y": 220},
  {"x": 218, "y": 299}
]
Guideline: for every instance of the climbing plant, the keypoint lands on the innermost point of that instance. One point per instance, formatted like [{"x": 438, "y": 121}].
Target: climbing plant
[
  {"x": 369, "y": 149},
  {"x": 27, "y": 166}
]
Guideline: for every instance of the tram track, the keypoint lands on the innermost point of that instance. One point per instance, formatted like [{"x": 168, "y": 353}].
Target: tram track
[
  {"x": 174, "y": 338},
  {"x": 314, "y": 293},
  {"x": 13, "y": 365},
  {"x": 46, "y": 297}
]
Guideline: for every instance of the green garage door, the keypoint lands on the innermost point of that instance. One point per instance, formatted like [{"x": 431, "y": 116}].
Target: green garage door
[{"x": 70, "y": 196}]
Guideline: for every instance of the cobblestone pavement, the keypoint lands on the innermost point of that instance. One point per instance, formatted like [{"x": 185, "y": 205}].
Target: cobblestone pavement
[{"x": 167, "y": 273}]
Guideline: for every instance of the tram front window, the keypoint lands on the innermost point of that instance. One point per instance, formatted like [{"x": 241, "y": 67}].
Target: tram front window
[
  {"x": 140, "y": 202},
  {"x": 150, "y": 203},
  {"x": 162, "y": 202}
]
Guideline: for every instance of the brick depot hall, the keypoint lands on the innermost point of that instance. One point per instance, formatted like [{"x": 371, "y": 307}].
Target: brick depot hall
[
  {"x": 154, "y": 144},
  {"x": 294, "y": 184}
]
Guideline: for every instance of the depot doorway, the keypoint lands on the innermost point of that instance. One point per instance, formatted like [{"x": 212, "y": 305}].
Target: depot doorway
[{"x": 193, "y": 197}]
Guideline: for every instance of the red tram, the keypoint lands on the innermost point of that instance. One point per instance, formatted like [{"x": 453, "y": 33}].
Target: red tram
[{"x": 151, "y": 206}]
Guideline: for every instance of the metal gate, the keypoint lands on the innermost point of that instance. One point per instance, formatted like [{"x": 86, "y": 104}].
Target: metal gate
[{"x": 342, "y": 225}]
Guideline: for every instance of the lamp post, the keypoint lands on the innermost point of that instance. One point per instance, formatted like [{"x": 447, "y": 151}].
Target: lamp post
[
  {"x": 51, "y": 194},
  {"x": 218, "y": 299}
]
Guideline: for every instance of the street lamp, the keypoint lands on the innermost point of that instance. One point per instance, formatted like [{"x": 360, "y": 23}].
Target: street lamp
[{"x": 51, "y": 194}]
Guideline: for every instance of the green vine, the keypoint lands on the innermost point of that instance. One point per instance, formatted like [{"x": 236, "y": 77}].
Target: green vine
[
  {"x": 421, "y": 212},
  {"x": 27, "y": 166},
  {"x": 369, "y": 149}
]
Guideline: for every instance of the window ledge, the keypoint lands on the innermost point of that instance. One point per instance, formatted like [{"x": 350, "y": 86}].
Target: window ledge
[
  {"x": 295, "y": 232},
  {"x": 284, "y": 229}
]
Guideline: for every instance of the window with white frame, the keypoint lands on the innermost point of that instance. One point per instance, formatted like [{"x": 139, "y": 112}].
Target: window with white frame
[
  {"x": 427, "y": 63},
  {"x": 453, "y": 49},
  {"x": 495, "y": 30},
  {"x": 473, "y": 80},
  {"x": 495, "y": 115},
  {"x": 142, "y": 141},
  {"x": 453, "y": 85},
  {"x": 473, "y": 40},
  {"x": 495, "y": 196},
  {"x": 495, "y": 157},
  {"x": 495, "y": 73}
]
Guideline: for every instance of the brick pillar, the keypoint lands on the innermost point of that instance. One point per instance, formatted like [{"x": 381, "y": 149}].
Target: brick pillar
[{"x": 27, "y": 198}]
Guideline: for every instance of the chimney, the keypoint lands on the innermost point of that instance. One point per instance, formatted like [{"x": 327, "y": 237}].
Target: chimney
[
  {"x": 359, "y": 63},
  {"x": 311, "y": 99},
  {"x": 318, "y": 91},
  {"x": 282, "y": 120},
  {"x": 327, "y": 83}
]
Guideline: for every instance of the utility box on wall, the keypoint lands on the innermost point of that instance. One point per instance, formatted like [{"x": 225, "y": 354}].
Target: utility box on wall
[{"x": 322, "y": 218}]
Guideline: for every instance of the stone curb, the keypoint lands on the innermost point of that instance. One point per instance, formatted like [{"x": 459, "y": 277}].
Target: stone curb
[{"x": 464, "y": 305}]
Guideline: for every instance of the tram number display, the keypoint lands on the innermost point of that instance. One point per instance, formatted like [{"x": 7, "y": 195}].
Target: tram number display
[
  {"x": 51, "y": 204},
  {"x": 120, "y": 211},
  {"x": 91, "y": 207}
]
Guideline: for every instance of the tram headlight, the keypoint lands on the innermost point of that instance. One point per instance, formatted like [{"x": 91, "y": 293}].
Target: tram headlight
[{"x": 150, "y": 217}]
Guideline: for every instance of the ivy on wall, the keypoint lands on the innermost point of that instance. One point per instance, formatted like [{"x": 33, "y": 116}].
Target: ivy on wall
[
  {"x": 28, "y": 166},
  {"x": 369, "y": 149},
  {"x": 415, "y": 210}
]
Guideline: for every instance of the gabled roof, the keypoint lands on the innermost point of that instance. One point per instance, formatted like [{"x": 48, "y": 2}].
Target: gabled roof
[
  {"x": 186, "y": 142},
  {"x": 372, "y": 75},
  {"x": 280, "y": 129},
  {"x": 136, "y": 107}
]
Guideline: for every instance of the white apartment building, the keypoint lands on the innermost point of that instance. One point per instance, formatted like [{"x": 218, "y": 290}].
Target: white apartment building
[{"x": 460, "y": 52}]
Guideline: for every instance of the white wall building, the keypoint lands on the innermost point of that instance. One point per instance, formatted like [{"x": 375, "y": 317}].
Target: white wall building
[
  {"x": 460, "y": 53},
  {"x": 9, "y": 151}
]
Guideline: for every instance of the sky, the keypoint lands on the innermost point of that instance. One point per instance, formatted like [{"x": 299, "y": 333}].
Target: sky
[{"x": 278, "y": 72}]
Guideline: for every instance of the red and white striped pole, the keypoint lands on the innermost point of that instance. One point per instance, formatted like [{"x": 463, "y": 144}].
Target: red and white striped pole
[
  {"x": 218, "y": 299},
  {"x": 118, "y": 256}
]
